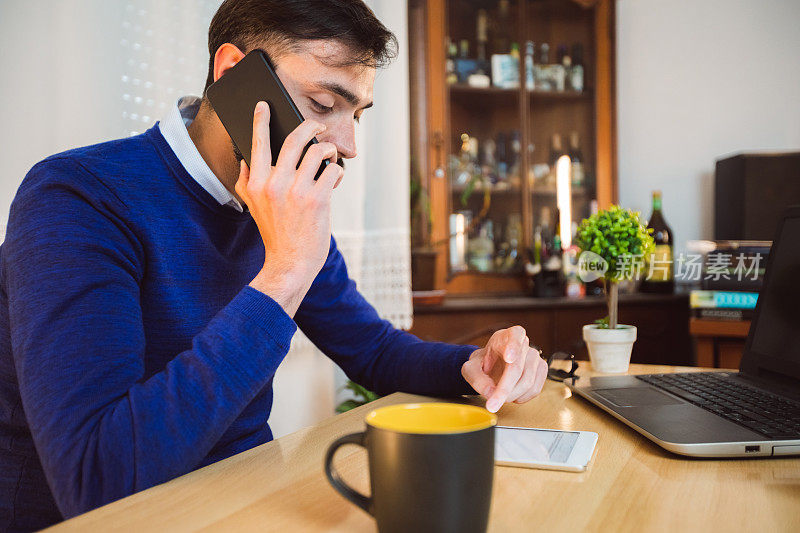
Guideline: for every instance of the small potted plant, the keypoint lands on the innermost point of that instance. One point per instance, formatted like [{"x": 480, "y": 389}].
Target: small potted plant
[
  {"x": 614, "y": 243},
  {"x": 361, "y": 395}
]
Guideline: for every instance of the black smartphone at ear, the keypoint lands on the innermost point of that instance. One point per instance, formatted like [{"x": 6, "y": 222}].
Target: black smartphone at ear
[{"x": 234, "y": 97}]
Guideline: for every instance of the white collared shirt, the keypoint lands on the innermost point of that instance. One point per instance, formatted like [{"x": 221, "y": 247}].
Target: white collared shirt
[{"x": 173, "y": 128}]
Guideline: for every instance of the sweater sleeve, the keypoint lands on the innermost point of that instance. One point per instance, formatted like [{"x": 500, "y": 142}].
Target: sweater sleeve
[
  {"x": 103, "y": 431},
  {"x": 341, "y": 323}
]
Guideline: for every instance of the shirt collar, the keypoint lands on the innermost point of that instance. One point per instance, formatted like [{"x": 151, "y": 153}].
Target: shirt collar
[{"x": 173, "y": 128}]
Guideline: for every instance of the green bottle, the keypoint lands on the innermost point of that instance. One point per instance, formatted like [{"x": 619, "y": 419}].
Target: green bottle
[{"x": 659, "y": 275}]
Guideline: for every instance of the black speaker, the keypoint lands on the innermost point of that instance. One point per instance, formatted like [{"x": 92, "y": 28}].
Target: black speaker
[{"x": 750, "y": 193}]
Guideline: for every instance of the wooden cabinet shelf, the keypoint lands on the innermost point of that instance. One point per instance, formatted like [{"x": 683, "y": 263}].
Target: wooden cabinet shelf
[
  {"x": 458, "y": 89},
  {"x": 459, "y": 190},
  {"x": 560, "y": 95},
  {"x": 494, "y": 95},
  {"x": 551, "y": 192},
  {"x": 512, "y": 191}
]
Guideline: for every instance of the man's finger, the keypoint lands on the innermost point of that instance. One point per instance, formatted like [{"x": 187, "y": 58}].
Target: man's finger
[
  {"x": 261, "y": 153},
  {"x": 488, "y": 360},
  {"x": 295, "y": 143},
  {"x": 493, "y": 350},
  {"x": 508, "y": 380},
  {"x": 541, "y": 376},
  {"x": 525, "y": 381},
  {"x": 531, "y": 380},
  {"x": 314, "y": 157},
  {"x": 538, "y": 383},
  {"x": 496, "y": 347},
  {"x": 516, "y": 344},
  {"x": 329, "y": 178},
  {"x": 479, "y": 381},
  {"x": 241, "y": 183}
]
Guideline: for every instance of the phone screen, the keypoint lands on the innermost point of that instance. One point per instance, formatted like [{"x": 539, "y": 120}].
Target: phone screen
[{"x": 533, "y": 445}]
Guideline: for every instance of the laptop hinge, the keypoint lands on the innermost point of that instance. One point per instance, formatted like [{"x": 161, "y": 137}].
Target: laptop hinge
[{"x": 773, "y": 382}]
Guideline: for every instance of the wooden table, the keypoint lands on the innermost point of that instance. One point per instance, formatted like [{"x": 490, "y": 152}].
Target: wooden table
[
  {"x": 631, "y": 484},
  {"x": 719, "y": 343}
]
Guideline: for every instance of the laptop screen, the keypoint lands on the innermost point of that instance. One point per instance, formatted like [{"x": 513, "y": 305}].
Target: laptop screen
[{"x": 775, "y": 334}]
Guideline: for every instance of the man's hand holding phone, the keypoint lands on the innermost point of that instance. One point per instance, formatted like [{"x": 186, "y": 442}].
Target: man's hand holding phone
[{"x": 291, "y": 209}]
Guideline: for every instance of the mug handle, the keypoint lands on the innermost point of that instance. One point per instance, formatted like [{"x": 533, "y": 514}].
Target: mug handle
[{"x": 335, "y": 479}]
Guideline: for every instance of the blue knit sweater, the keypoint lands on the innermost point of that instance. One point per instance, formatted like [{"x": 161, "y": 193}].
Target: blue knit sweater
[{"x": 132, "y": 350}]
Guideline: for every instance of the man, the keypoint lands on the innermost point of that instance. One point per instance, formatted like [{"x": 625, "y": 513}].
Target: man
[{"x": 151, "y": 285}]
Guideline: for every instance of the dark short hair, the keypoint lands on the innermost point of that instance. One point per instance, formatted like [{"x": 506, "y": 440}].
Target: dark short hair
[{"x": 282, "y": 25}]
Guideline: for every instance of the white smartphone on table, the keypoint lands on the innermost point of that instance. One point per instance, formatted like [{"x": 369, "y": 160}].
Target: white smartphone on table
[{"x": 549, "y": 449}]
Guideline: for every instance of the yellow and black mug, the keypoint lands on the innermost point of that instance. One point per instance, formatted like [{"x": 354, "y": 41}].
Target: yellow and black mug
[{"x": 431, "y": 467}]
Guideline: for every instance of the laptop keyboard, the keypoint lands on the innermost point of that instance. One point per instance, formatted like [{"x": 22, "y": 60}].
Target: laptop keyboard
[{"x": 773, "y": 416}]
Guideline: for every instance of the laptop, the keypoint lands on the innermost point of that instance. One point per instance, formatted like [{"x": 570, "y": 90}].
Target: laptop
[{"x": 753, "y": 412}]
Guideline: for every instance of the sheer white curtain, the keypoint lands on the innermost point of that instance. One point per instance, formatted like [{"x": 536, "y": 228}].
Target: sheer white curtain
[{"x": 84, "y": 71}]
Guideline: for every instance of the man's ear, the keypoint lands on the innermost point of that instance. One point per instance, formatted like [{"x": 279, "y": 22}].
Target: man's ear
[{"x": 226, "y": 56}]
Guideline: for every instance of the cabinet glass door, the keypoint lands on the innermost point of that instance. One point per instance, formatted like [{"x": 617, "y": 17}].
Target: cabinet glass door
[
  {"x": 559, "y": 92},
  {"x": 485, "y": 165}
]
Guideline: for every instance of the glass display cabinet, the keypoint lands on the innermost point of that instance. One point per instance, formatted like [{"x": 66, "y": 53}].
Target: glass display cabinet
[{"x": 513, "y": 132}]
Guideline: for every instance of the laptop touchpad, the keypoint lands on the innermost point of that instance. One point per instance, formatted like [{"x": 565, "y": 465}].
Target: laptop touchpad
[{"x": 637, "y": 396}]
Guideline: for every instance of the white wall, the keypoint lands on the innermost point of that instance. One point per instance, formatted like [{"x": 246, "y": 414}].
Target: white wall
[
  {"x": 60, "y": 87},
  {"x": 698, "y": 79}
]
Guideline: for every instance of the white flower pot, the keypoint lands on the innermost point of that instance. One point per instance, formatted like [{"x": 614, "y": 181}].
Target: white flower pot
[{"x": 609, "y": 349}]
